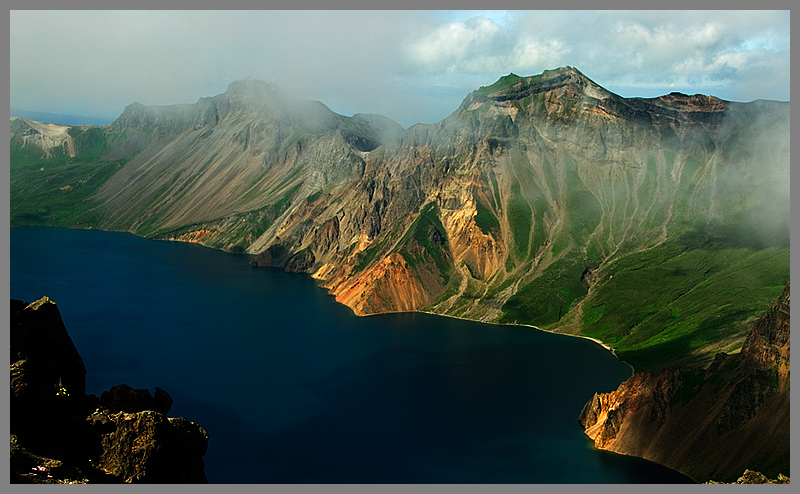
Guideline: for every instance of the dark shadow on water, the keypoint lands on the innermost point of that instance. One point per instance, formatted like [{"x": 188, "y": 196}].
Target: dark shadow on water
[
  {"x": 293, "y": 388},
  {"x": 635, "y": 469},
  {"x": 417, "y": 426}
]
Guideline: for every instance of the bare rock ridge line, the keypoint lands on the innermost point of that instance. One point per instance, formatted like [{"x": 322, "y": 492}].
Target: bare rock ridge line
[
  {"x": 658, "y": 226},
  {"x": 61, "y": 435},
  {"x": 711, "y": 423}
]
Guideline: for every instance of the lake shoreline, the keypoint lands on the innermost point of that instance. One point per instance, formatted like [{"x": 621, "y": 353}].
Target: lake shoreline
[
  {"x": 599, "y": 342},
  {"x": 319, "y": 285}
]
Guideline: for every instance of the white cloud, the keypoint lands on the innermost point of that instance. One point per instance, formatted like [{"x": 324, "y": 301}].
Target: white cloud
[
  {"x": 456, "y": 45},
  {"x": 482, "y": 46},
  {"x": 530, "y": 53}
]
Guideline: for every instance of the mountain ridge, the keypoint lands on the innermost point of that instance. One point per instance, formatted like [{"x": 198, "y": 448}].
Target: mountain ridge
[
  {"x": 658, "y": 226},
  {"x": 550, "y": 122}
]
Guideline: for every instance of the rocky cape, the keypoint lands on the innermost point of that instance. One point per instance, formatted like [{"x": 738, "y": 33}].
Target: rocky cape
[
  {"x": 61, "y": 435},
  {"x": 710, "y": 423}
]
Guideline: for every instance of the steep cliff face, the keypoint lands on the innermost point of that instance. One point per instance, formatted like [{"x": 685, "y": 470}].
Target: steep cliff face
[
  {"x": 61, "y": 435},
  {"x": 544, "y": 200},
  {"x": 390, "y": 286},
  {"x": 710, "y": 423}
]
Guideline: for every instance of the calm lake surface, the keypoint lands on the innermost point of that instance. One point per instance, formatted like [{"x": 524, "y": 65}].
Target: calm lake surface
[{"x": 293, "y": 388}]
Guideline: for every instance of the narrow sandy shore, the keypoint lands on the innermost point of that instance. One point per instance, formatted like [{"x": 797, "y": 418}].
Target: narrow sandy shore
[
  {"x": 585, "y": 338},
  {"x": 521, "y": 325}
]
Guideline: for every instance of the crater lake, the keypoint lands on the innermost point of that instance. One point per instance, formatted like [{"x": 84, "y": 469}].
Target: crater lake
[{"x": 292, "y": 387}]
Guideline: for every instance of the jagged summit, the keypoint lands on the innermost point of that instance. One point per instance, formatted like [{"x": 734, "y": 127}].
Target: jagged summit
[
  {"x": 571, "y": 81},
  {"x": 248, "y": 98},
  {"x": 513, "y": 86},
  {"x": 695, "y": 102},
  {"x": 564, "y": 93}
]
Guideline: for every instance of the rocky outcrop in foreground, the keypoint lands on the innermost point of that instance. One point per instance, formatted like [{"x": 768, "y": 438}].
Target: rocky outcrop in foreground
[
  {"x": 710, "y": 423},
  {"x": 61, "y": 435},
  {"x": 751, "y": 477}
]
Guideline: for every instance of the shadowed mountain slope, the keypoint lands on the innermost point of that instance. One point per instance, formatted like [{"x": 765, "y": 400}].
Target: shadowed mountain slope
[{"x": 711, "y": 423}]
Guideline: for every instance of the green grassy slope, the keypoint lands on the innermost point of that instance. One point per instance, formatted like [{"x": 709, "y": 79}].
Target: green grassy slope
[
  {"x": 56, "y": 190},
  {"x": 656, "y": 300},
  {"x": 670, "y": 305}
]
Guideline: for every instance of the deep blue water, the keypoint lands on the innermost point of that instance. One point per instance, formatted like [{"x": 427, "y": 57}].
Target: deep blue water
[{"x": 293, "y": 388}]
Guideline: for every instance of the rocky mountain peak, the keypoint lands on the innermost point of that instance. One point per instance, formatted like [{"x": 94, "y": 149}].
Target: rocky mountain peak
[
  {"x": 48, "y": 137},
  {"x": 695, "y": 102},
  {"x": 174, "y": 117},
  {"x": 561, "y": 94},
  {"x": 265, "y": 101},
  {"x": 565, "y": 94},
  {"x": 564, "y": 76},
  {"x": 514, "y": 87}
]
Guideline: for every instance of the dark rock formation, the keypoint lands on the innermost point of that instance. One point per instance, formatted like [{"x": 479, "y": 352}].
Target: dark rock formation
[
  {"x": 300, "y": 262},
  {"x": 61, "y": 435},
  {"x": 708, "y": 423},
  {"x": 126, "y": 399},
  {"x": 45, "y": 363},
  {"x": 148, "y": 447}
]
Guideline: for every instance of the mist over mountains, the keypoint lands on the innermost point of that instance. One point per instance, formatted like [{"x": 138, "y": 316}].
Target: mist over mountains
[{"x": 659, "y": 226}]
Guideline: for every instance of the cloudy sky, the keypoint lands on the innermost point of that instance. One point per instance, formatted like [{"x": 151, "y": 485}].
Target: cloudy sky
[{"x": 412, "y": 66}]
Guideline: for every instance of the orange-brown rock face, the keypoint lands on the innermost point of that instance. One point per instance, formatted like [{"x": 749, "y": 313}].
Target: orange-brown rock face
[
  {"x": 708, "y": 423},
  {"x": 767, "y": 345},
  {"x": 611, "y": 419},
  {"x": 198, "y": 237},
  {"x": 389, "y": 286},
  {"x": 468, "y": 244}
]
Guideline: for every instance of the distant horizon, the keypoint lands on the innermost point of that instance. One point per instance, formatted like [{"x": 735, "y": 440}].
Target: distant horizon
[
  {"x": 61, "y": 119},
  {"x": 410, "y": 66}
]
